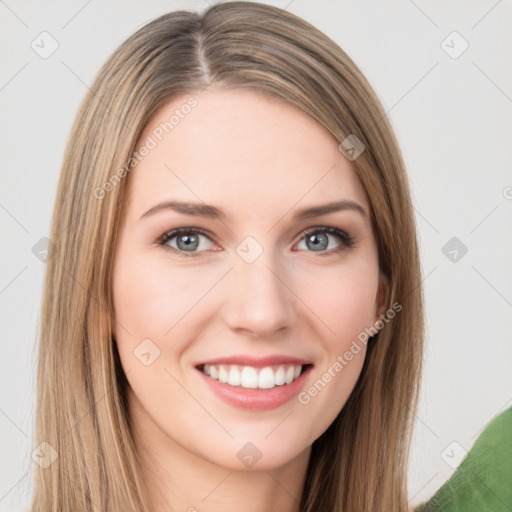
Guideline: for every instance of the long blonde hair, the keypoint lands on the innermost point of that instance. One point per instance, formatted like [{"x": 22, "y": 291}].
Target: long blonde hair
[{"x": 360, "y": 463}]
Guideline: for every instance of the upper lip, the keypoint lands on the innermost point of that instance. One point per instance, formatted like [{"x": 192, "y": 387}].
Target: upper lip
[{"x": 246, "y": 360}]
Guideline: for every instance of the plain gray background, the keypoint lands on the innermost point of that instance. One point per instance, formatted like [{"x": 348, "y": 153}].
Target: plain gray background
[{"x": 452, "y": 115}]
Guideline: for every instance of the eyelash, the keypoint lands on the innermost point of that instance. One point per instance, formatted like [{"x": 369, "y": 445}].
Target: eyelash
[{"x": 346, "y": 240}]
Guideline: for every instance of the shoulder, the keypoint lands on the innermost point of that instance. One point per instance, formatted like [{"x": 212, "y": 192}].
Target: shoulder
[{"x": 483, "y": 480}]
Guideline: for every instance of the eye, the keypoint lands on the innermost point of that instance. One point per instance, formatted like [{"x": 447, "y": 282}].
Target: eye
[
  {"x": 187, "y": 241},
  {"x": 317, "y": 239}
]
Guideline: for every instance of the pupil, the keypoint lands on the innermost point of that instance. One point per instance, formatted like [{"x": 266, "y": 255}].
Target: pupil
[
  {"x": 317, "y": 241},
  {"x": 189, "y": 241}
]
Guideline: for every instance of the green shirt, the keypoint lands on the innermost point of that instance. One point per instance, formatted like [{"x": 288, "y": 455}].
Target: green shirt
[{"x": 483, "y": 480}]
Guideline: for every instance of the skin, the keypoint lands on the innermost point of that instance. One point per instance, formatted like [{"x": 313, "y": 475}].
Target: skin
[{"x": 259, "y": 160}]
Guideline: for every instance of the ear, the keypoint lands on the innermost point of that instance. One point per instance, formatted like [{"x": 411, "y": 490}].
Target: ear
[{"x": 383, "y": 294}]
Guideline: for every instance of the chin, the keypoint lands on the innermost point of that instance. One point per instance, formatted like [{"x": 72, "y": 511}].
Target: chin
[{"x": 257, "y": 453}]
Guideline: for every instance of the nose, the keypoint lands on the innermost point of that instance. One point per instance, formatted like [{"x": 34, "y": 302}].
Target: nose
[{"x": 259, "y": 301}]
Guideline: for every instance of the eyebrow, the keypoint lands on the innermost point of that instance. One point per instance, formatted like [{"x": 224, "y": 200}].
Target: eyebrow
[{"x": 210, "y": 211}]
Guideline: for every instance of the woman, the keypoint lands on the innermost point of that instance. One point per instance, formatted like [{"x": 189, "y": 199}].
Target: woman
[{"x": 233, "y": 315}]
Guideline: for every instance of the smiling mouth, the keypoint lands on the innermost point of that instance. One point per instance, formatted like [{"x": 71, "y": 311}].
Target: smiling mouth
[{"x": 250, "y": 377}]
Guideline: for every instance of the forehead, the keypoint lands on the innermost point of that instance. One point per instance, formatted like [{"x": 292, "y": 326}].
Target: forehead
[{"x": 242, "y": 150}]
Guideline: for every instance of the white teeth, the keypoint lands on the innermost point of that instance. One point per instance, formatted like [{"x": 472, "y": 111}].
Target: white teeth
[
  {"x": 234, "y": 378},
  {"x": 249, "y": 377},
  {"x": 266, "y": 378},
  {"x": 252, "y": 378},
  {"x": 223, "y": 374},
  {"x": 280, "y": 378}
]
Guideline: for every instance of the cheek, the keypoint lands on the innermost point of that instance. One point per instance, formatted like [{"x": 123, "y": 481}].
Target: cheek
[
  {"x": 153, "y": 302},
  {"x": 343, "y": 299},
  {"x": 164, "y": 302},
  {"x": 346, "y": 309},
  {"x": 150, "y": 298},
  {"x": 345, "y": 306}
]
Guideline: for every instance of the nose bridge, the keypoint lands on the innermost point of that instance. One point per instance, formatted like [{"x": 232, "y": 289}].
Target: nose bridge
[{"x": 259, "y": 299}]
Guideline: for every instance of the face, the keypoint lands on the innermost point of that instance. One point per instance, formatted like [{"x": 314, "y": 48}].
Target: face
[{"x": 226, "y": 328}]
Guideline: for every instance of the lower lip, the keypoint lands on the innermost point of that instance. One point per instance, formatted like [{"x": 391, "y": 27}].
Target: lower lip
[{"x": 257, "y": 399}]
